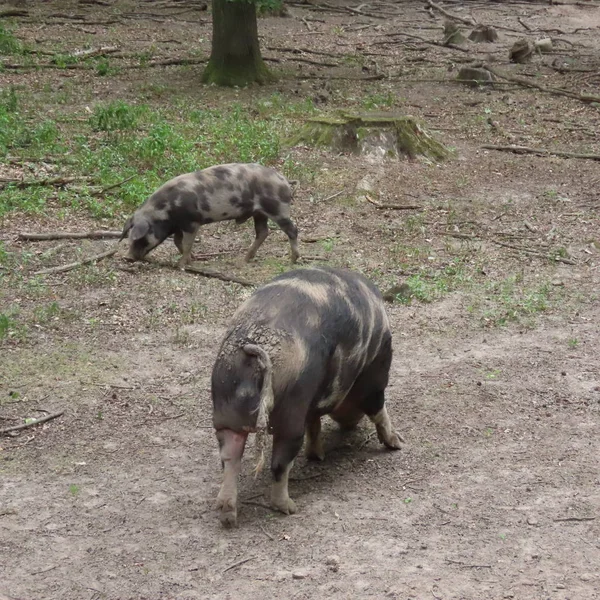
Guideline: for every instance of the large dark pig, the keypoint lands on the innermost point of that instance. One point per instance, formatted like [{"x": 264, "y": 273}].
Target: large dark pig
[
  {"x": 234, "y": 191},
  {"x": 309, "y": 343}
]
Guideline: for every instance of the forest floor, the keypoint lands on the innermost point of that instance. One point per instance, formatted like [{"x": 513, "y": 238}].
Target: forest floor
[{"x": 495, "y": 382}]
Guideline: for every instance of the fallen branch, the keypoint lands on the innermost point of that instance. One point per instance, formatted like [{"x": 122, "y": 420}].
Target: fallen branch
[
  {"x": 90, "y": 52},
  {"x": 566, "y": 519},
  {"x": 31, "y": 423},
  {"x": 13, "y": 12},
  {"x": 302, "y": 60},
  {"x": 393, "y": 206},
  {"x": 211, "y": 274},
  {"x": 64, "y": 235},
  {"x": 471, "y": 22},
  {"x": 541, "y": 151},
  {"x": 71, "y": 266},
  {"x": 587, "y": 98}
]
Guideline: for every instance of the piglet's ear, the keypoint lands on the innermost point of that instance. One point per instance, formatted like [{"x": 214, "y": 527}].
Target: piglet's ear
[
  {"x": 140, "y": 229},
  {"x": 126, "y": 228}
]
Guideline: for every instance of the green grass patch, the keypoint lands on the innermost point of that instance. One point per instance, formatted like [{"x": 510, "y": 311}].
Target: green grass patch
[{"x": 121, "y": 140}]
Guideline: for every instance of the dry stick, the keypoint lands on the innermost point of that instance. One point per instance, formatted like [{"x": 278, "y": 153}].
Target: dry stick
[
  {"x": 56, "y": 181},
  {"x": 31, "y": 423},
  {"x": 63, "y": 235},
  {"x": 393, "y": 206},
  {"x": 541, "y": 151},
  {"x": 566, "y": 519},
  {"x": 74, "y": 265},
  {"x": 566, "y": 261},
  {"x": 237, "y": 564},
  {"x": 549, "y": 90},
  {"x": 471, "y": 22}
]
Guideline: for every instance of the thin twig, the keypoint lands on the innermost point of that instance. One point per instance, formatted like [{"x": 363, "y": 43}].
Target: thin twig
[
  {"x": 31, "y": 423},
  {"x": 64, "y": 235},
  {"x": 266, "y": 533},
  {"x": 71, "y": 266},
  {"x": 112, "y": 187},
  {"x": 462, "y": 564},
  {"x": 215, "y": 275},
  {"x": 237, "y": 564},
  {"x": 566, "y": 519},
  {"x": 333, "y": 196}
]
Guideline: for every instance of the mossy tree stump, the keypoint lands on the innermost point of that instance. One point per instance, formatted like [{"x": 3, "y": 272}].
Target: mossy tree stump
[{"x": 372, "y": 133}]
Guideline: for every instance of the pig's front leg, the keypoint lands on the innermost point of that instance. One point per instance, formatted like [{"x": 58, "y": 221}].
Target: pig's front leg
[
  {"x": 231, "y": 446},
  {"x": 185, "y": 245},
  {"x": 285, "y": 451}
]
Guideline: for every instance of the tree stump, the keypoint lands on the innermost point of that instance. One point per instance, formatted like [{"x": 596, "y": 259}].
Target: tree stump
[
  {"x": 521, "y": 51},
  {"x": 483, "y": 33},
  {"x": 378, "y": 134},
  {"x": 475, "y": 76},
  {"x": 452, "y": 34}
]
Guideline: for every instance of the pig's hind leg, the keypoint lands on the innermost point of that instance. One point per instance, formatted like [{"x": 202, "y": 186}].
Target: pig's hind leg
[
  {"x": 231, "y": 445},
  {"x": 285, "y": 450}
]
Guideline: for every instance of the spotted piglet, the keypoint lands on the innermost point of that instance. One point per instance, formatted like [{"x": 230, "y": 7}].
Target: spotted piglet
[
  {"x": 224, "y": 192},
  {"x": 310, "y": 343}
]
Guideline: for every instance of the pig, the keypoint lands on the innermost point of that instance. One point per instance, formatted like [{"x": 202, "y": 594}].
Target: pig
[
  {"x": 309, "y": 343},
  {"x": 223, "y": 192}
]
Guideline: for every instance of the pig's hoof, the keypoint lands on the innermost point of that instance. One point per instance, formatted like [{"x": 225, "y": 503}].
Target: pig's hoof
[
  {"x": 285, "y": 505},
  {"x": 393, "y": 441},
  {"x": 227, "y": 512},
  {"x": 315, "y": 452}
]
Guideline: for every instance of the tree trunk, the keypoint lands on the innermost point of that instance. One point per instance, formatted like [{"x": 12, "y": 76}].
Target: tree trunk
[{"x": 235, "y": 57}]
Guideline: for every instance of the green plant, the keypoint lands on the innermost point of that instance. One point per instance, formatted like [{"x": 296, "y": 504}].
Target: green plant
[
  {"x": 573, "y": 343},
  {"x": 115, "y": 116},
  {"x": 9, "y": 44},
  {"x": 374, "y": 101},
  {"x": 74, "y": 489},
  {"x": 328, "y": 244}
]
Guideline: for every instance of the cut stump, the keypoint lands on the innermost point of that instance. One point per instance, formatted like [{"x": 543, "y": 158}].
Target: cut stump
[{"x": 378, "y": 134}]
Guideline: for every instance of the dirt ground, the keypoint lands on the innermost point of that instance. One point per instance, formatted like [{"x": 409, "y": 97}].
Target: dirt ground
[{"x": 495, "y": 382}]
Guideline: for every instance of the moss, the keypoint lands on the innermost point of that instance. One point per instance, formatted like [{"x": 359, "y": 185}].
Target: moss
[
  {"x": 345, "y": 131},
  {"x": 237, "y": 73}
]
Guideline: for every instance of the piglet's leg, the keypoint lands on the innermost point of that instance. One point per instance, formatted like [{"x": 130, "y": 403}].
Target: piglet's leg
[
  {"x": 187, "y": 241},
  {"x": 285, "y": 451},
  {"x": 231, "y": 446},
  {"x": 261, "y": 229}
]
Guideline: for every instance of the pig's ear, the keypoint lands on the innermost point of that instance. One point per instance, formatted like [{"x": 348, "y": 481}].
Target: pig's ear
[
  {"x": 126, "y": 228},
  {"x": 264, "y": 361},
  {"x": 140, "y": 229}
]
